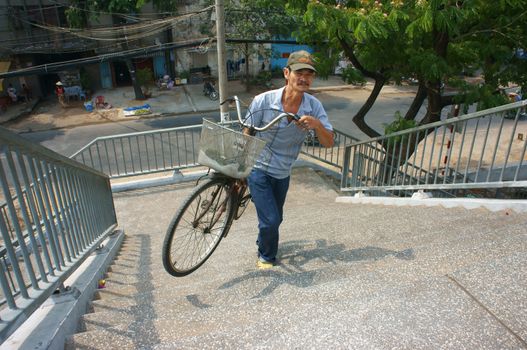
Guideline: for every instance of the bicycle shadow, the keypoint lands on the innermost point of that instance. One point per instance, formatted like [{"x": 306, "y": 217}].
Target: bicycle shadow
[{"x": 295, "y": 255}]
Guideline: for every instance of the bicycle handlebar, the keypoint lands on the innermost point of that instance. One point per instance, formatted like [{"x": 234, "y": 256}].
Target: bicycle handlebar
[{"x": 263, "y": 128}]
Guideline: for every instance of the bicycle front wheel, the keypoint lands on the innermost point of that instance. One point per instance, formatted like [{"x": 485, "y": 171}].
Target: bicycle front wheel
[{"x": 198, "y": 226}]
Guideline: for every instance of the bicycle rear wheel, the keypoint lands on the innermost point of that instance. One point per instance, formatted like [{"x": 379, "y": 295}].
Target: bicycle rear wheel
[{"x": 198, "y": 226}]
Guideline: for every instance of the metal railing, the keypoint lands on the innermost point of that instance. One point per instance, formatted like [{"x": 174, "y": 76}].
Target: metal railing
[
  {"x": 53, "y": 213},
  {"x": 155, "y": 151},
  {"x": 480, "y": 150},
  {"x": 142, "y": 153}
]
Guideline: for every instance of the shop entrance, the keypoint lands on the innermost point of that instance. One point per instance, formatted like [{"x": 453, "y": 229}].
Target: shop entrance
[{"x": 122, "y": 74}]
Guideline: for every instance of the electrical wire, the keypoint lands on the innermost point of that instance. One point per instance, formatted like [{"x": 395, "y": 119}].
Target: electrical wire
[
  {"x": 137, "y": 52},
  {"x": 123, "y": 15},
  {"x": 126, "y": 32}
]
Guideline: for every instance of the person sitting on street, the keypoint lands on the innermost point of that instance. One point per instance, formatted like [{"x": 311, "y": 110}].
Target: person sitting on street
[{"x": 59, "y": 90}]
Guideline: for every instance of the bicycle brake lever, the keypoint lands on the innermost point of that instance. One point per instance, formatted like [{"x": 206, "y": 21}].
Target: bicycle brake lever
[{"x": 295, "y": 117}]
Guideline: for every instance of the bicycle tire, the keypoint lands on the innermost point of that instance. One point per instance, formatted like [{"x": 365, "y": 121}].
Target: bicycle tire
[
  {"x": 189, "y": 242},
  {"x": 214, "y": 95}
]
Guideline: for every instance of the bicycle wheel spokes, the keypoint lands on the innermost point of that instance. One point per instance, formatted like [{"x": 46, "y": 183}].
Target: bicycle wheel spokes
[{"x": 197, "y": 228}]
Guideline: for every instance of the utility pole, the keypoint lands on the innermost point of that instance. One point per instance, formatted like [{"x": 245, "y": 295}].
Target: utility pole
[{"x": 222, "y": 62}]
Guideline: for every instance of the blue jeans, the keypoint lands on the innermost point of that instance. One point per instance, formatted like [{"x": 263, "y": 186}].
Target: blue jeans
[{"x": 268, "y": 195}]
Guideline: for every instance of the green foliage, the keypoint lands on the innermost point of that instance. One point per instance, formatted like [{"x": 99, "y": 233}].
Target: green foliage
[
  {"x": 258, "y": 19},
  {"x": 169, "y": 6},
  {"x": 487, "y": 98},
  {"x": 76, "y": 17},
  {"x": 277, "y": 72},
  {"x": 399, "y": 124},
  {"x": 184, "y": 74},
  {"x": 85, "y": 79},
  {"x": 351, "y": 75},
  {"x": 144, "y": 77},
  {"x": 263, "y": 78},
  {"x": 434, "y": 40},
  {"x": 82, "y": 11}
]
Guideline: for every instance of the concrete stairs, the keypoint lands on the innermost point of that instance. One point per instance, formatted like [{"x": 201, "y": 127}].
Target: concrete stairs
[{"x": 350, "y": 276}]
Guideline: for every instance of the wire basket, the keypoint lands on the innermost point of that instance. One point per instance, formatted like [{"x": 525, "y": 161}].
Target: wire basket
[{"x": 227, "y": 151}]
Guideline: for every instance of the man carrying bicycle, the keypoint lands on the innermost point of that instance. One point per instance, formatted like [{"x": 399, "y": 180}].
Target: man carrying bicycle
[{"x": 269, "y": 180}]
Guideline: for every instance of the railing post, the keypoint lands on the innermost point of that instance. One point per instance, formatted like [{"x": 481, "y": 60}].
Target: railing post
[{"x": 345, "y": 167}]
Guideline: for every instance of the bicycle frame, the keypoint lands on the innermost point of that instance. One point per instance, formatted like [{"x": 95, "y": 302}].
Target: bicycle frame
[{"x": 236, "y": 192}]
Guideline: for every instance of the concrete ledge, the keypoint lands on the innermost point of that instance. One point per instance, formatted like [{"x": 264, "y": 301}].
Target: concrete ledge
[
  {"x": 177, "y": 177},
  {"x": 519, "y": 206},
  {"x": 156, "y": 181},
  {"x": 48, "y": 327}
]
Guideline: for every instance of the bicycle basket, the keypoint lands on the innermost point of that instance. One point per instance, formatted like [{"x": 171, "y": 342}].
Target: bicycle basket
[{"x": 227, "y": 151}]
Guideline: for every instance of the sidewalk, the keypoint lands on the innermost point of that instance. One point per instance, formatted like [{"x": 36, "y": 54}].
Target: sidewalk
[
  {"x": 183, "y": 99},
  {"x": 48, "y": 114}
]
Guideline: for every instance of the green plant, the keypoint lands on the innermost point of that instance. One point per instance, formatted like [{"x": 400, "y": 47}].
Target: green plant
[
  {"x": 353, "y": 76},
  {"x": 263, "y": 78},
  {"x": 144, "y": 77},
  {"x": 184, "y": 74},
  {"x": 277, "y": 72},
  {"x": 399, "y": 124},
  {"x": 85, "y": 79}
]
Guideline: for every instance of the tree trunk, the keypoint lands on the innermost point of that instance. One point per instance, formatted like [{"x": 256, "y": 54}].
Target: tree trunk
[
  {"x": 170, "y": 63},
  {"x": 359, "y": 118},
  {"x": 380, "y": 80},
  {"x": 419, "y": 98},
  {"x": 247, "y": 87},
  {"x": 137, "y": 89}
]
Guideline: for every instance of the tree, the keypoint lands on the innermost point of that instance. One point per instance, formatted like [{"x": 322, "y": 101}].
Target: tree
[
  {"x": 433, "y": 41},
  {"x": 257, "y": 20}
]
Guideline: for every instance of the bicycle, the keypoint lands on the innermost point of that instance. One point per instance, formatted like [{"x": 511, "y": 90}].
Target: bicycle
[{"x": 207, "y": 214}]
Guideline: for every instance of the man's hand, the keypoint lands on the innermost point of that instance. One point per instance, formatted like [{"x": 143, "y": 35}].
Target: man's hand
[{"x": 325, "y": 137}]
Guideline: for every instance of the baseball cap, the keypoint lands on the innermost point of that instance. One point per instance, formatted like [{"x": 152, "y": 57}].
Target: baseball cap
[
  {"x": 58, "y": 83},
  {"x": 301, "y": 60}
]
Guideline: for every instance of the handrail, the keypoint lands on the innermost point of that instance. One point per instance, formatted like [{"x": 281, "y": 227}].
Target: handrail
[
  {"x": 475, "y": 151},
  {"x": 54, "y": 212},
  {"x": 174, "y": 149},
  {"x": 474, "y": 115}
]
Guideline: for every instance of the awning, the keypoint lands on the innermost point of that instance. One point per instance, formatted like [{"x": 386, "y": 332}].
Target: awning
[{"x": 4, "y": 67}]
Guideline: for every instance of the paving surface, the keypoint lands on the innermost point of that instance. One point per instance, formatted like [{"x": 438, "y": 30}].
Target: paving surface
[{"x": 352, "y": 276}]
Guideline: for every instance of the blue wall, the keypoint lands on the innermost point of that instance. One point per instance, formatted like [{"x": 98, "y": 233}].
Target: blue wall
[
  {"x": 281, "y": 50},
  {"x": 106, "y": 75},
  {"x": 160, "y": 67}
]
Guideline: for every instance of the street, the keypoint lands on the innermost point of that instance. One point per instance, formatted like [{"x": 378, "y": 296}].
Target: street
[
  {"x": 340, "y": 104},
  {"x": 69, "y": 140}
]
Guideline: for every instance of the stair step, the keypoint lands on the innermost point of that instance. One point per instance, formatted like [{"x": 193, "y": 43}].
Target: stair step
[
  {"x": 404, "y": 266},
  {"x": 359, "y": 316}
]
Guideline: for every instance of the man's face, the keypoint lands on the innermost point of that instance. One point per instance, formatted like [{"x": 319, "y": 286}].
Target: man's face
[{"x": 299, "y": 79}]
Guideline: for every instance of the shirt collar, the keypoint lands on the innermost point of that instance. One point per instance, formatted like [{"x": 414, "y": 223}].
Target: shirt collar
[
  {"x": 304, "y": 108},
  {"x": 276, "y": 103}
]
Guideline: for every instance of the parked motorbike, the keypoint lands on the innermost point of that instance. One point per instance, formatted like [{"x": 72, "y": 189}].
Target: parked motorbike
[{"x": 210, "y": 91}]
